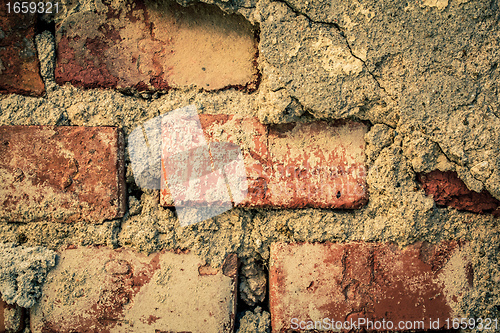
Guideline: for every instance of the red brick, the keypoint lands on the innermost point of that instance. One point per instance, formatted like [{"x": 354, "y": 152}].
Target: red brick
[
  {"x": 61, "y": 173},
  {"x": 156, "y": 46},
  {"x": 318, "y": 164},
  {"x": 251, "y": 137},
  {"x": 11, "y": 317},
  {"x": 245, "y": 134},
  {"x": 374, "y": 281},
  {"x": 162, "y": 292},
  {"x": 19, "y": 66},
  {"x": 3, "y": 305},
  {"x": 449, "y": 190},
  {"x": 187, "y": 165}
]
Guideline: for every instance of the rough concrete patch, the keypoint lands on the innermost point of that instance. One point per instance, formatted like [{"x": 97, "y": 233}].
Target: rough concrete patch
[
  {"x": 23, "y": 271},
  {"x": 258, "y": 321},
  {"x": 444, "y": 87},
  {"x": 424, "y": 154},
  {"x": 253, "y": 281},
  {"x": 277, "y": 107},
  {"x": 60, "y": 235},
  {"x": 379, "y": 137},
  {"x": 313, "y": 62},
  {"x": 13, "y": 319},
  {"x": 45, "y": 44}
]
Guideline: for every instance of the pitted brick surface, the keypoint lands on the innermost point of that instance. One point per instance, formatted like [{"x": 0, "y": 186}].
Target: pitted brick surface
[
  {"x": 11, "y": 317},
  {"x": 319, "y": 164},
  {"x": 148, "y": 45},
  {"x": 3, "y": 306},
  {"x": 61, "y": 173},
  {"x": 19, "y": 65},
  {"x": 162, "y": 292},
  {"x": 285, "y": 167},
  {"x": 376, "y": 281}
]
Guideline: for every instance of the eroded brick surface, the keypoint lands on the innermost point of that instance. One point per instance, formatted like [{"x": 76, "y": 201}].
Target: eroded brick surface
[
  {"x": 347, "y": 281},
  {"x": 162, "y": 292},
  {"x": 3, "y": 305},
  {"x": 61, "y": 173},
  {"x": 19, "y": 66},
  {"x": 449, "y": 190},
  {"x": 11, "y": 317},
  {"x": 318, "y": 164},
  {"x": 223, "y": 137},
  {"x": 149, "y": 45}
]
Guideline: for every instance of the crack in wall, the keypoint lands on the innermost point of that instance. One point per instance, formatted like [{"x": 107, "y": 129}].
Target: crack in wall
[{"x": 344, "y": 37}]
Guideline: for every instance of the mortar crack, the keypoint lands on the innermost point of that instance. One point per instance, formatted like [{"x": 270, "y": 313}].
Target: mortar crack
[{"x": 342, "y": 34}]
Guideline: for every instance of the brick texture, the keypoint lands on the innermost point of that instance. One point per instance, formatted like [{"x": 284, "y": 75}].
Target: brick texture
[
  {"x": 311, "y": 282},
  {"x": 284, "y": 167},
  {"x": 449, "y": 190},
  {"x": 19, "y": 66},
  {"x": 156, "y": 46},
  {"x": 61, "y": 173},
  {"x": 162, "y": 292},
  {"x": 11, "y": 317},
  {"x": 251, "y": 137},
  {"x": 318, "y": 164},
  {"x": 3, "y": 305}
]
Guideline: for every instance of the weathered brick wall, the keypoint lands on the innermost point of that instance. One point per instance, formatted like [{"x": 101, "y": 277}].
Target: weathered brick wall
[{"x": 367, "y": 134}]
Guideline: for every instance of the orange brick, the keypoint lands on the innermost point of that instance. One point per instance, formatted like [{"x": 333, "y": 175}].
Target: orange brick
[
  {"x": 318, "y": 164},
  {"x": 449, "y": 190}
]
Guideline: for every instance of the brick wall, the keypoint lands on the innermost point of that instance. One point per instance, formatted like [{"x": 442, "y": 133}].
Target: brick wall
[{"x": 253, "y": 166}]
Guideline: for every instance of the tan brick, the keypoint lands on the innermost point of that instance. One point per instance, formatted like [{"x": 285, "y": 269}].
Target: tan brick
[
  {"x": 61, "y": 173},
  {"x": 104, "y": 290},
  {"x": 150, "y": 45}
]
